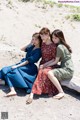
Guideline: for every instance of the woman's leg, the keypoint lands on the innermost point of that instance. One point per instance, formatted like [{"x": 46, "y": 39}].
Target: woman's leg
[
  {"x": 30, "y": 98},
  {"x": 55, "y": 81},
  {"x": 12, "y": 90}
]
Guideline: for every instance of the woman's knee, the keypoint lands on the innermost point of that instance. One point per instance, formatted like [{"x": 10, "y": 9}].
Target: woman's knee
[{"x": 50, "y": 74}]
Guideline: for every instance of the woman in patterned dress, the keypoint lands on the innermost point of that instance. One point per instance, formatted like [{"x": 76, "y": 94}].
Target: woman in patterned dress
[{"x": 42, "y": 84}]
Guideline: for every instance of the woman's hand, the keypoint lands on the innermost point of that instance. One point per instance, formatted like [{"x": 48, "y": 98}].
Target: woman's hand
[{"x": 14, "y": 67}]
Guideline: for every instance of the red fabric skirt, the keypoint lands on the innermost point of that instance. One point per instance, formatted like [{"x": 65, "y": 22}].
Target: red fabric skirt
[{"x": 42, "y": 83}]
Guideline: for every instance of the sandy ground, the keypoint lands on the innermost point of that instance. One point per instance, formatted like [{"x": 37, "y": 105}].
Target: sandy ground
[{"x": 18, "y": 21}]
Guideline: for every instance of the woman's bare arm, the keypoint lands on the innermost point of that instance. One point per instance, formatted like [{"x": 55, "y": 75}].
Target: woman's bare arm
[
  {"x": 21, "y": 64},
  {"x": 24, "y": 48},
  {"x": 51, "y": 62}
]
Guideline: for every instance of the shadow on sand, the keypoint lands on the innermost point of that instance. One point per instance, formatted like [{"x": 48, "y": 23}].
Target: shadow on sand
[
  {"x": 71, "y": 92},
  {"x": 22, "y": 92}
]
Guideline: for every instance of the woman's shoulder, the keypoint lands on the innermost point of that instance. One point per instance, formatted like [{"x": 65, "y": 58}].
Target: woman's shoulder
[
  {"x": 61, "y": 46},
  {"x": 37, "y": 50}
]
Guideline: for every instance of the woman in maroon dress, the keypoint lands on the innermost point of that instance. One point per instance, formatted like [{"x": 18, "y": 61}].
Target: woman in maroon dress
[{"x": 42, "y": 83}]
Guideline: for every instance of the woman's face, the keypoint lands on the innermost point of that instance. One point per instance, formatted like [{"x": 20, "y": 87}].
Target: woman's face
[
  {"x": 44, "y": 37},
  {"x": 35, "y": 41},
  {"x": 55, "y": 39}
]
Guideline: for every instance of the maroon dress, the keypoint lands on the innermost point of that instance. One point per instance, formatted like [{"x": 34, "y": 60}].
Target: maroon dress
[{"x": 42, "y": 83}]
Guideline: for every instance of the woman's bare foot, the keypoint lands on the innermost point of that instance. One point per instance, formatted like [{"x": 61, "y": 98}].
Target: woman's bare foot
[
  {"x": 59, "y": 96},
  {"x": 29, "y": 100},
  {"x": 12, "y": 93}
]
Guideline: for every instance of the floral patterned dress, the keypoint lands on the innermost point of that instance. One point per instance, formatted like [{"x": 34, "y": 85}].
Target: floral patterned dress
[{"x": 42, "y": 83}]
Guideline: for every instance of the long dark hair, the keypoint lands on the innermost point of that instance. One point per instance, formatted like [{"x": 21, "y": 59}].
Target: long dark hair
[
  {"x": 37, "y": 36},
  {"x": 58, "y": 33}
]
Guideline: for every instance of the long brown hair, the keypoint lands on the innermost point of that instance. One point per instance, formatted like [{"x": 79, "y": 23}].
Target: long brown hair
[
  {"x": 44, "y": 30},
  {"x": 58, "y": 33},
  {"x": 37, "y": 36}
]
